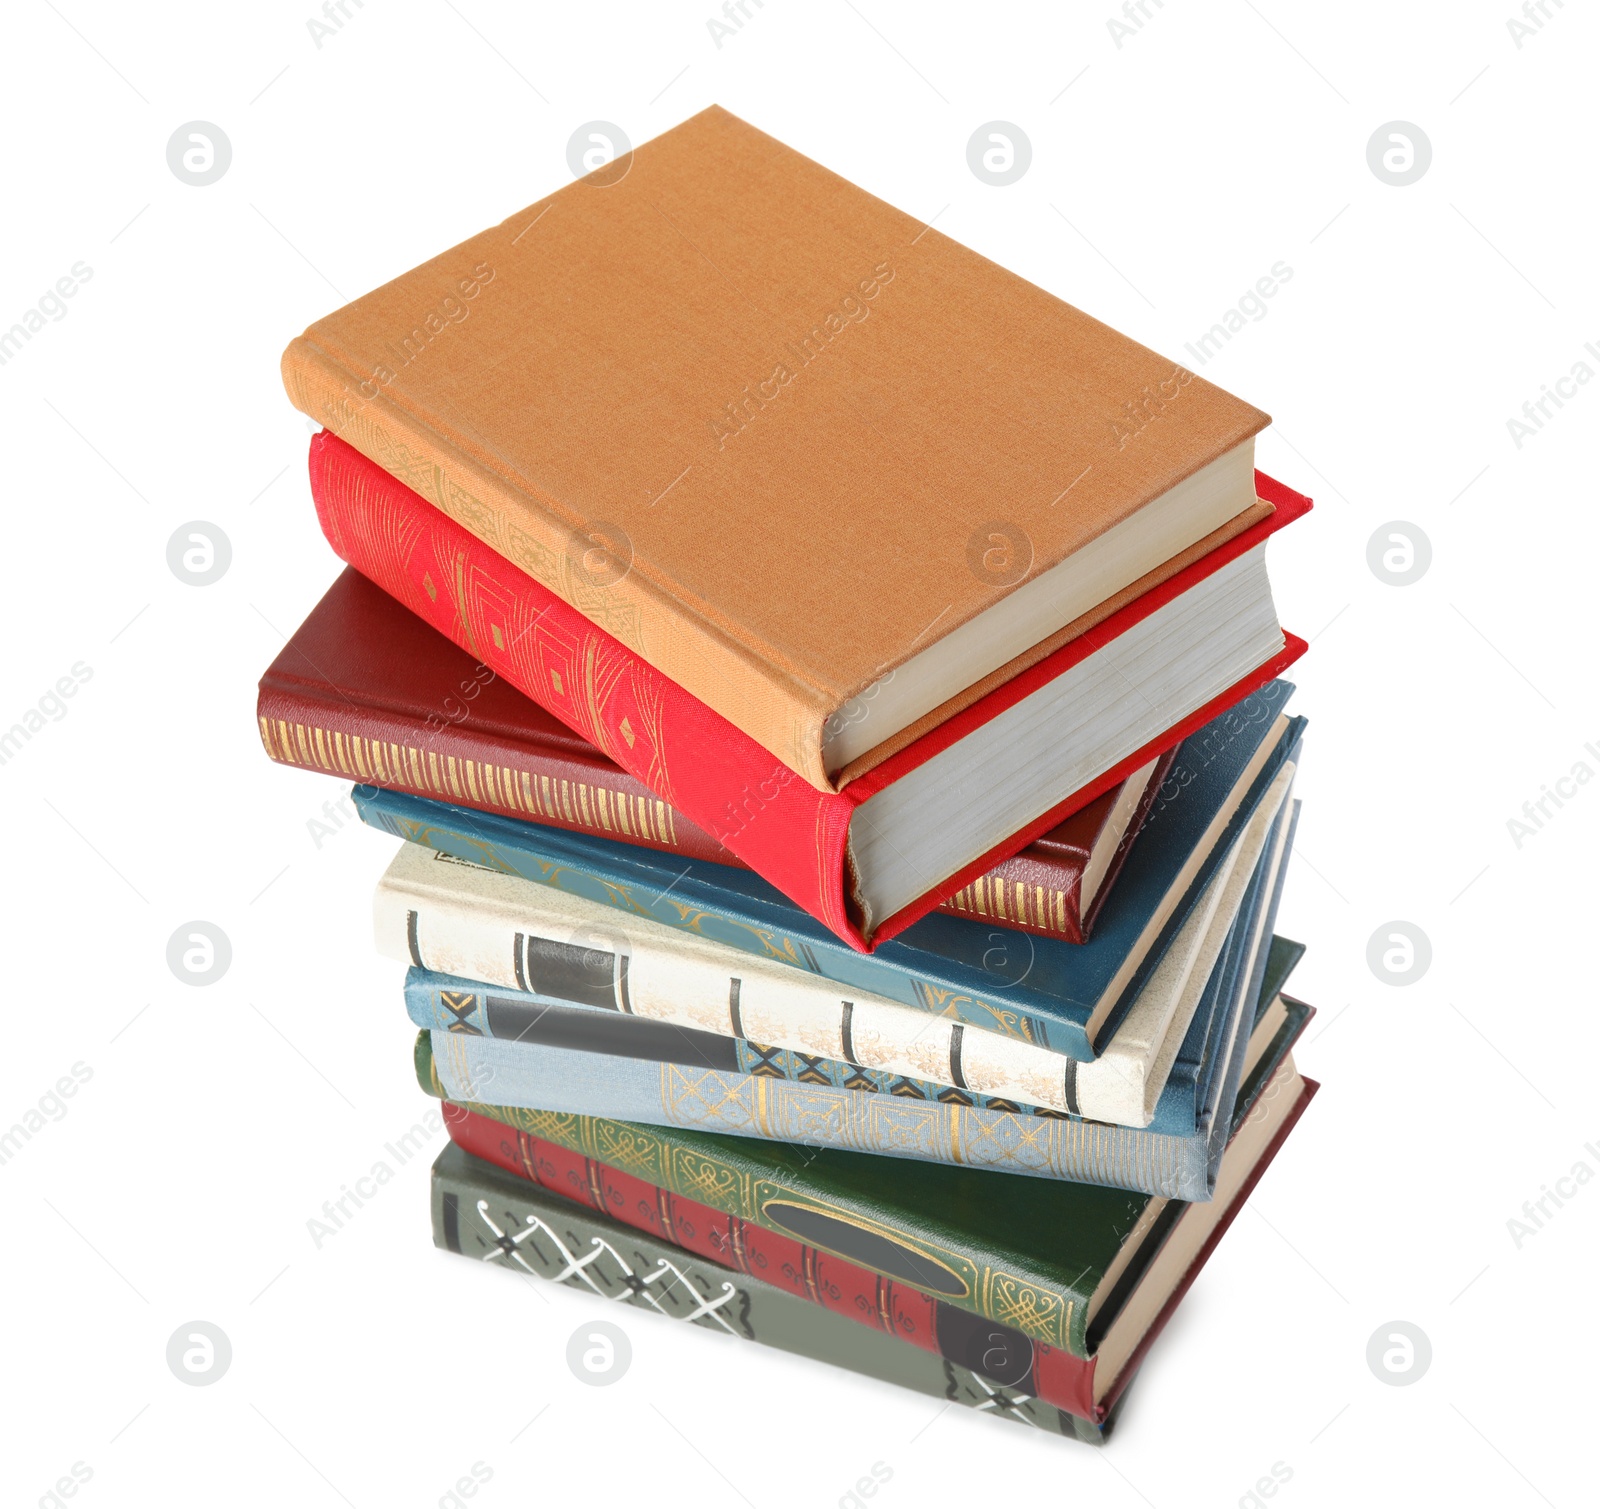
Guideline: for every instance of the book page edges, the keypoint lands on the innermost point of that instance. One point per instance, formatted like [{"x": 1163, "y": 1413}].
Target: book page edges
[{"x": 1046, "y": 647}]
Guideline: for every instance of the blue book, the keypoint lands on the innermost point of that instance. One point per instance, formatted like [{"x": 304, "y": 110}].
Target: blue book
[
  {"x": 520, "y": 1049},
  {"x": 1066, "y": 998}
]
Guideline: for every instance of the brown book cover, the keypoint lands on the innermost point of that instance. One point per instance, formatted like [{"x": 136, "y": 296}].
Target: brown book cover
[
  {"x": 365, "y": 685},
  {"x": 774, "y": 435}
]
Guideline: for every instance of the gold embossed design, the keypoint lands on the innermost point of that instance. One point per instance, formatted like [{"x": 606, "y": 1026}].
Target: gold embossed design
[
  {"x": 697, "y": 1177},
  {"x": 980, "y": 1013},
  {"x": 820, "y": 1113},
  {"x": 597, "y": 809},
  {"x": 771, "y": 945},
  {"x": 1033, "y": 1310},
  {"x": 1013, "y": 903}
]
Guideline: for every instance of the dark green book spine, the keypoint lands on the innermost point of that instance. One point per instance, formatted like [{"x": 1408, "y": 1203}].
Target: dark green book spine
[{"x": 506, "y": 1222}]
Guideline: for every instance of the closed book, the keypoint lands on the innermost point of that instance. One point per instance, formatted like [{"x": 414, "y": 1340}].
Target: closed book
[
  {"x": 505, "y": 1222},
  {"x": 1082, "y": 1267},
  {"x": 864, "y": 859},
  {"x": 364, "y": 685},
  {"x": 549, "y": 1076},
  {"x": 825, "y": 468},
  {"x": 1218, "y": 1053},
  {"x": 1021, "y": 1017}
]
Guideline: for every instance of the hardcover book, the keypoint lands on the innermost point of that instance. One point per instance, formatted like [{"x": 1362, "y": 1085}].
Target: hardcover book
[
  {"x": 864, "y": 859},
  {"x": 706, "y": 397},
  {"x": 546, "y": 1076},
  {"x": 1176, "y": 1156},
  {"x": 363, "y": 682},
  {"x": 1084, "y": 1268},
  {"x": 1022, "y": 1022},
  {"x": 506, "y": 1222}
]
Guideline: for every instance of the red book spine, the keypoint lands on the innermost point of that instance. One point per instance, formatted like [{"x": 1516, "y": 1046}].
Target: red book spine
[
  {"x": 783, "y": 828},
  {"x": 1056, "y": 1376},
  {"x": 450, "y": 763}
]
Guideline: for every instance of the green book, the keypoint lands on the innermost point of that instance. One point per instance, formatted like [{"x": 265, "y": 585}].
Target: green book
[
  {"x": 506, "y": 1222},
  {"x": 1083, "y": 1267}
]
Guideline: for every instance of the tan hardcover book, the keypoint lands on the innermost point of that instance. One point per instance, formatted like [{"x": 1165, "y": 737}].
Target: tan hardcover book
[{"x": 825, "y": 468}]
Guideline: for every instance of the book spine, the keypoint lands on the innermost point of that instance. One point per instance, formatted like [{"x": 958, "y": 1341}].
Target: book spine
[
  {"x": 681, "y": 749},
  {"x": 537, "y": 1076},
  {"x": 707, "y": 1168},
  {"x": 818, "y": 1279},
  {"x": 479, "y": 1212},
  {"x": 531, "y": 943},
  {"x": 379, "y": 748},
  {"x": 457, "y": 1005},
  {"x": 572, "y": 558},
  {"x": 1016, "y": 895}
]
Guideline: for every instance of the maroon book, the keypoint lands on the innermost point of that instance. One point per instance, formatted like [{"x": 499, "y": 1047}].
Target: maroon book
[{"x": 367, "y": 689}]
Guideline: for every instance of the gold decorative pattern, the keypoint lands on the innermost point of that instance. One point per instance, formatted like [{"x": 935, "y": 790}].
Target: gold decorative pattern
[
  {"x": 536, "y": 558},
  {"x": 599, "y": 809},
  {"x": 1003, "y": 1020},
  {"x": 1013, "y": 903},
  {"x": 1032, "y": 1310}
]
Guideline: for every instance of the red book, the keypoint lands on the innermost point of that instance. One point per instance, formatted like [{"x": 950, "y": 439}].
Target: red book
[
  {"x": 364, "y": 688},
  {"x": 831, "y": 852}
]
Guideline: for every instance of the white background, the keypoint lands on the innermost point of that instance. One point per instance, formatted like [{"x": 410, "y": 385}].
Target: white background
[{"x": 1168, "y": 174}]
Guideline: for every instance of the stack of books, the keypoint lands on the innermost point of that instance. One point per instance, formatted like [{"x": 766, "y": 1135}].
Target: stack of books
[{"x": 830, "y": 697}]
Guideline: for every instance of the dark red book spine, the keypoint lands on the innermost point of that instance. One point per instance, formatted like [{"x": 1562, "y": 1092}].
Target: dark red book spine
[
  {"x": 1046, "y": 1372},
  {"x": 452, "y": 762}
]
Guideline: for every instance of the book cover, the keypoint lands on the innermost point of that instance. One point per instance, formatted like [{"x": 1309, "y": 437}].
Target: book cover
[
  {"x": 807, "y": 843},
  {"x": 365, "y": 677},
  {"x": 1045, "y": 1256},
  {"x": 670, "y": 403},
  {"x": 481, "y": 1212}
]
